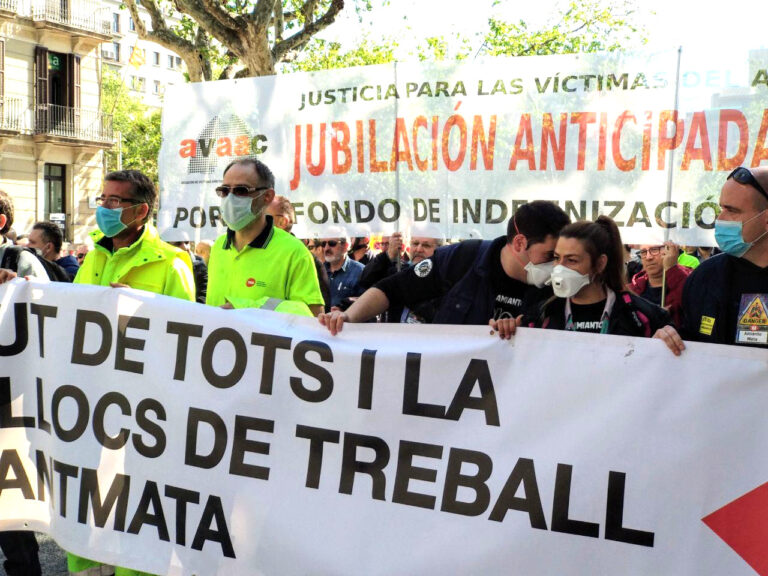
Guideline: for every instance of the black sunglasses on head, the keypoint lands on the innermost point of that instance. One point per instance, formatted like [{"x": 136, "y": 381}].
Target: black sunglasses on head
[{"x": 744, "y": 176}]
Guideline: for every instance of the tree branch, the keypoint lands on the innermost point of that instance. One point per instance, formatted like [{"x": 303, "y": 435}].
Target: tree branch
[
  {"x": 221, "y": 26},
  {"x": 278, "y": 20},
  {"x": 261, "y": 13},
  {"x": 211, "y": 15},
  {"x": 161, "y": 34},
  {"x": 307, "y": 10},
  {"x": 281, "y": 49}
]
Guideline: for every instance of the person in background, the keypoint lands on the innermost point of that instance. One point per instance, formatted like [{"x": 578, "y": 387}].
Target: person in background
[
  {"x": 360, "y": 250},
  {"x": 199, "y": 270},
  {"x": 282, "y": 212},
  {"x": 705, "y": 253},
  {"x": 588, "y": 284},
  {"x": 685, "y": 258},
  {"x": 19, "y": 546},
  {"x": 662, "y": 279},
  {"x": 203, "y": 249},
  {"x": 632, "y": 261},
  {"x": 424, "y": 241},
  {"x": 47, "y": 239},
  {"x": 80, "y": 252},
  {"x": 343, "y": 272}
]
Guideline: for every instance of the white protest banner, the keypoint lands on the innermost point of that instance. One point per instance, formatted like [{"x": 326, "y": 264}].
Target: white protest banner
[
  {"x": 646, "y": 138},
  {"x": 182, "y": 439}
]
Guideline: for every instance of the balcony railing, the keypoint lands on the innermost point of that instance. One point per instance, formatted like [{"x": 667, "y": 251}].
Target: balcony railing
[
  {"x": 73, "y": 123},
  {"x": 86, "y": 15},
  {"x": 10, "y": 114},
  {"x": 9, "y": 5}
]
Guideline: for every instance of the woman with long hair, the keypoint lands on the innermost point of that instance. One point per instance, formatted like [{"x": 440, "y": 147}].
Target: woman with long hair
[{"x": 589, "y": 286}]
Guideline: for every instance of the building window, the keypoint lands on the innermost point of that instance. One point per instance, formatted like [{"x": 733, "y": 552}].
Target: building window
[
  {"x": 131, "y": 24},
  {"x": 178, "y": 62},
  {"x": 116, "y": 22},
  {"x": 156, "y": 58},
  {"x": 170, "y": 62},
  {"x": 54, "y": 193},
  {"x": 156, "y": 87},
  {"x": 112, "y": 52},
  {"x": 138, "y": 83}
]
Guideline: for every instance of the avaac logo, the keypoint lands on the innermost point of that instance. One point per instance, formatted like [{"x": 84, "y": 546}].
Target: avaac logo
[{"x": 224, "y": 137}]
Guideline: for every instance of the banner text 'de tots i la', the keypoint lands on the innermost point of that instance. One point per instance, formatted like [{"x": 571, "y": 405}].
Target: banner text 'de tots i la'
[
  {"x": 175, "y": 438},
  {"x": 646, "y": 138}
]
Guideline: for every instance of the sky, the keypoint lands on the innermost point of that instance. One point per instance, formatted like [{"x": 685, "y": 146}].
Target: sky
[{"x": 670, "y": 23}]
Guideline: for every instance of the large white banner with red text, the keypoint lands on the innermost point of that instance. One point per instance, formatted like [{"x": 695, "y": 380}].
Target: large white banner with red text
[
  {"x": 646, "y": 138},
  {"x": 177, "y": 439}
]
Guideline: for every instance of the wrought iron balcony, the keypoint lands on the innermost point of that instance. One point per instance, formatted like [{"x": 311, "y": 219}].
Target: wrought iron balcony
[
  {"x": 72, "y": 125},
  {"x": 84, "y": 15},
  {"x": 10, "y": 115}
]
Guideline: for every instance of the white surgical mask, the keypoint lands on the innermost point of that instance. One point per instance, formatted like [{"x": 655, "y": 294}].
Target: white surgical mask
[
  {"x": 236, "y": 211},
  {"x": 538, "y": 274},
  {"x": 566, "y": 282}
]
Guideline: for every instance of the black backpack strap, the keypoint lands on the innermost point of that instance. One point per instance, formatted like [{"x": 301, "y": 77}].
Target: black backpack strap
[{"x": 11, "y": 258}]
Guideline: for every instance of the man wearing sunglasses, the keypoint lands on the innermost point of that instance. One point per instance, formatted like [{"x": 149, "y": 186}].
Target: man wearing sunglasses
[
  {"x": 343, "y": 272},
  {"x": 255, "y": 259},
  {"x": 725, "y": 300},
  {"x": 127, "y": 248}
]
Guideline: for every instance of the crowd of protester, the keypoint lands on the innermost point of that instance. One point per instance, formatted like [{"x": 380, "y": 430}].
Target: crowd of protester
[{"x": 545, "y": 272}]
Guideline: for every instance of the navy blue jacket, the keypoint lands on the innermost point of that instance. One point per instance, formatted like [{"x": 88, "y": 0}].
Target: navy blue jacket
[{"x": 461, "y": 274}]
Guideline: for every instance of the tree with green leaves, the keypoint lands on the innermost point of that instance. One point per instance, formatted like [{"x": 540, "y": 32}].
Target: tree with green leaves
[
  {"x": 257, "y": 34},
  {"x": 137, "y": 125},
  {"x": 583, "y": 26}
]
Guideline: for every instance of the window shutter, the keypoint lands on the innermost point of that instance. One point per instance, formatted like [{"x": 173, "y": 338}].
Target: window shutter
[
  {"x": 2, "y": 71},
  {"x": 41, "y": 89}
]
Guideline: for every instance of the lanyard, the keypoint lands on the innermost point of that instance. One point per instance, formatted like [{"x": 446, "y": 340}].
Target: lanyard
[{"x": 609, "y": 302}]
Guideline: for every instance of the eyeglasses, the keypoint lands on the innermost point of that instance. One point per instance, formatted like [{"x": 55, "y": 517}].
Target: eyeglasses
[
  {"x": 330, "y": 243},
  {"x": 653, "y": 251},
  {"x": 240, "y": 190},
  {"x": 80, "y": 256},
  {"x": 112, "y": 202},
  {"x": 744, "y": 176}
]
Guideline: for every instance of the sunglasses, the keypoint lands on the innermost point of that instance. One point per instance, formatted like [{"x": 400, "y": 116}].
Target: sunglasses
[
  {"x": 224, "y": 191},
  {"x": 744, "y": 176},
  {"x": 329, "y": 243}
]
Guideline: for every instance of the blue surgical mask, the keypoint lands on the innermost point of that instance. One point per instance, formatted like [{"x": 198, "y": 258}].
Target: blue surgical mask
[
  {"x": 729, "y": 236},
  {"x": 109, "y": 221}
]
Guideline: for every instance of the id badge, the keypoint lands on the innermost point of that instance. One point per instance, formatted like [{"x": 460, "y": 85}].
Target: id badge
[{"x": 752, "y": 327}]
